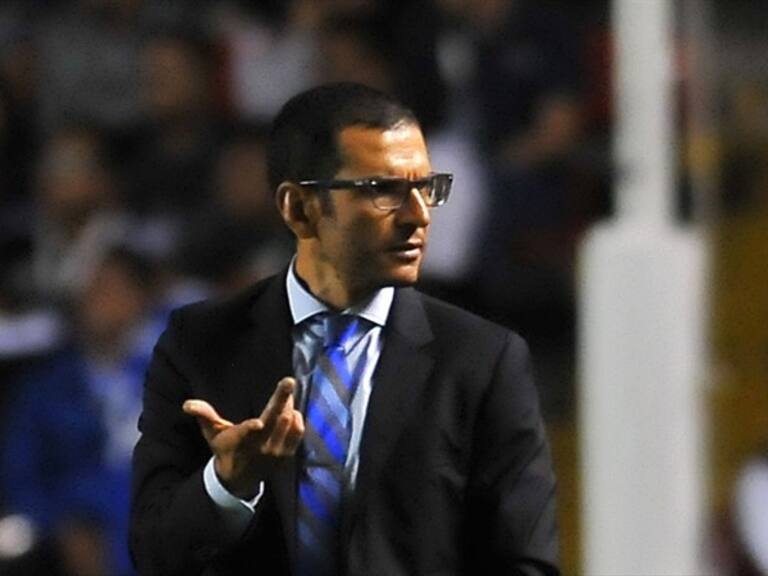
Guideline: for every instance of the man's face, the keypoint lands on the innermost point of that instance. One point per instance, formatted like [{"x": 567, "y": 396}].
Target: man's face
[
  {"x": 112, "y": 304},
  {"x": 367, "y": 247}
]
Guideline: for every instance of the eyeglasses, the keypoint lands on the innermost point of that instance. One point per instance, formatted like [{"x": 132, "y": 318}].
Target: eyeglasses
[{"x": 391, "y": 193}]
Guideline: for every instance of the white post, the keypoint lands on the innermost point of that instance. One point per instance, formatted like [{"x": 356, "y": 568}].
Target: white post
[
  {"x": 641, "y": 333},
  {"x": 644, "y": 99}
]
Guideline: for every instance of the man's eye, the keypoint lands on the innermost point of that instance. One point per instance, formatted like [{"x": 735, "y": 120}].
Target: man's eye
[{"x": 387, "y": 188}]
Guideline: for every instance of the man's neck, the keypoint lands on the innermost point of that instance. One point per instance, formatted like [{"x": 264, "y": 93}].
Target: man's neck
[{"x": 325, "y": 285}]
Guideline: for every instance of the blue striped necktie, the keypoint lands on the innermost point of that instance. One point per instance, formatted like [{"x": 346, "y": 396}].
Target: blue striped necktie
[{"x": 326, "y": 440}]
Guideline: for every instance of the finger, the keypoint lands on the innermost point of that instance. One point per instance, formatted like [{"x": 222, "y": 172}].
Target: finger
[
  {"x": 295, "y": 433},
  {"x": 248, "y": 432},
  {"x": 253, "y": 424},
  {"x": 280, "y": 401},
  {"x": 276, "y": 439},
  {"x": 206, "y": 414}
]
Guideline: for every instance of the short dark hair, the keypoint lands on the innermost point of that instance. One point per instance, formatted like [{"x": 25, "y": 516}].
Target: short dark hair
[{"x": 303, "y": 141}]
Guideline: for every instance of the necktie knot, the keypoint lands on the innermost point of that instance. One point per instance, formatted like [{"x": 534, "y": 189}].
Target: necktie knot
[{"x": 339, "y": 330}]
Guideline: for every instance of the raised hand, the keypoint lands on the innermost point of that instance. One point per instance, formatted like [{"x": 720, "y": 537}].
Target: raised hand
[{"x": 244, "y": 452}]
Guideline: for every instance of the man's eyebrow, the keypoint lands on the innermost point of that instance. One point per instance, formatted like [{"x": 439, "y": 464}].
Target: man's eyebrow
[{"x": 395, "y": 177}]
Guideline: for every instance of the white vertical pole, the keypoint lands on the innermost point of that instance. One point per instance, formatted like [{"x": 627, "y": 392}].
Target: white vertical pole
[
  {"x": 641, "y": 333},
  {"x": 642, "y": 31}
]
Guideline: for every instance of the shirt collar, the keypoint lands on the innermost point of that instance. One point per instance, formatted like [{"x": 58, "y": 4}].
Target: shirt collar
[{"x": 303, "y": 303}]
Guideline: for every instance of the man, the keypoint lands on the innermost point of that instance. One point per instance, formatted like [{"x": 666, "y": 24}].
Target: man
[{"x": 410, "y": 444}]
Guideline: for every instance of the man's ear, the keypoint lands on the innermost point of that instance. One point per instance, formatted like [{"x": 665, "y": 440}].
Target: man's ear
[{"x": 299, "y": 209}]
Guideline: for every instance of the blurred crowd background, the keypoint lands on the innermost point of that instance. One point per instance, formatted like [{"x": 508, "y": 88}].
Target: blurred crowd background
[{"x": 133, "y": 180}]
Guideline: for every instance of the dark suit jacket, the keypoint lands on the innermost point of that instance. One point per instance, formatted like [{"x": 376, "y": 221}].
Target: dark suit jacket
[{"x": 455, "y": 471}]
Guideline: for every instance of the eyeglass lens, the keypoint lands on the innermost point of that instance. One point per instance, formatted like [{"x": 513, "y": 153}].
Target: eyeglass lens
[{"x": 391, "y": 194}]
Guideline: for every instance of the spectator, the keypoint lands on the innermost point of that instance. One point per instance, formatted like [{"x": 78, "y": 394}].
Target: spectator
[
  {"x": 174, "y": 150},
  {"x": 269, "y": 39},
  {"x": 239, "y": 239},
  {"x": 520, "y": 63},
  {"x": 72, "y": 426},
  {"x": 79, "y": 211},
  {"x": 358, "y": 48},
  {"x": 89, "y": 62}
]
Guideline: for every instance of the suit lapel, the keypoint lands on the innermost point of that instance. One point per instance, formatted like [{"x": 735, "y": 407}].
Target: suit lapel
[
  {"x": 400, "y": 376},
  {"x": 268, "y": 356},
  {"x": 270, "y": 345}
]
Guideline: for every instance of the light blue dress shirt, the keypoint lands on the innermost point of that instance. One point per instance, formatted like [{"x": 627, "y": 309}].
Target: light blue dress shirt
[{"x": 303, "y": 305}]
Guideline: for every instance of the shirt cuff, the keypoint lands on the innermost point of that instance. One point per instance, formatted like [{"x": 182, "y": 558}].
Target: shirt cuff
[{"x": 237, "y": 513}]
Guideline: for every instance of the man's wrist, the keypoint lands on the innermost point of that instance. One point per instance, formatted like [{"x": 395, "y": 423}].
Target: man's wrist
[
  {"x": 245, "y": 492},
  {"x": 223, "y": 496}
]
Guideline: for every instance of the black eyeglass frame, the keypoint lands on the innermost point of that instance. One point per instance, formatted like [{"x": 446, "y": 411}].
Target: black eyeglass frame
[{"x": 439, "y": 187}]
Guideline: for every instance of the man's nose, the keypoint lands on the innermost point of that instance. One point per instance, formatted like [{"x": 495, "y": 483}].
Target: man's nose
[{"x": 414, "y": 210}]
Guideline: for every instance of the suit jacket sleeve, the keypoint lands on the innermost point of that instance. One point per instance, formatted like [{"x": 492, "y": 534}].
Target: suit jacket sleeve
[
  {"x": 512, "y": 496},
  {"x": 175, "y": 526}
]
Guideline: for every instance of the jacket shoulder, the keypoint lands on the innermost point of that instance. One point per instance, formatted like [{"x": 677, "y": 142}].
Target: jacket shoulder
[
  {"x": 222, "y": 313},
  {"x": 202, "y": 328},
  {"x": 447, "y": 318}
]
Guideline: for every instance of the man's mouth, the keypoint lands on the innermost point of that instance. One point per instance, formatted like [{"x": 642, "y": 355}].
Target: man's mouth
[{"x": 410, "y": 250}]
